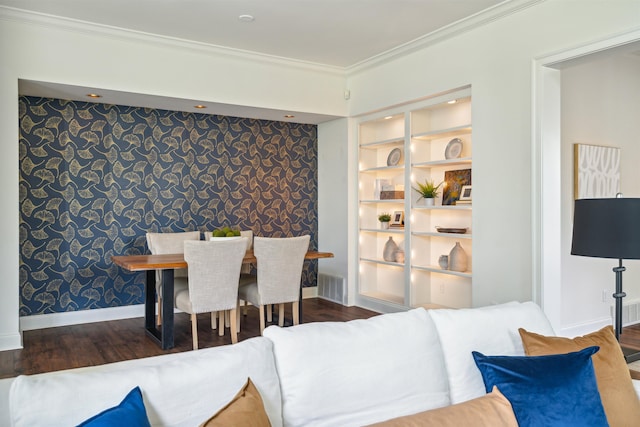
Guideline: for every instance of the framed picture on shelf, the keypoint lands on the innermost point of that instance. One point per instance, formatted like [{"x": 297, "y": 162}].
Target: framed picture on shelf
[
  {"x": 453, "y": 183},
  {"x": 465, "y": 193},
  {"x": 397, "y": 219}
]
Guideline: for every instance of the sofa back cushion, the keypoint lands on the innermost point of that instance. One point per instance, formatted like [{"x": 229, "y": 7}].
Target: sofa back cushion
[
  {"x": 182, "y": 389},
  {"x": 491, "y": 330},
  {"x": 359, "y": 372}
]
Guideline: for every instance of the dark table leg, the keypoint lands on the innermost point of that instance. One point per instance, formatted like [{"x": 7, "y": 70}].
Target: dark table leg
[
  {"x": 164, "y": 336},
  {"x": 167, "y": 309},
  {"x": 150, "y": 300}
]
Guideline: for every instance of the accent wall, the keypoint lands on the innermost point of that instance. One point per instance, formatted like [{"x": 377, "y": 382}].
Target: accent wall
[{"x": 94, "y": 178}]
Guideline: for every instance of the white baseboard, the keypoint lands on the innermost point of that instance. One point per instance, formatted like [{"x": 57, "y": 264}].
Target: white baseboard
[
  {"x": 10, "y": 342},
  {"x": 51, "y": 320},
  {"x": 310, "y": 292},
  {"x": 584, "y": 328}
]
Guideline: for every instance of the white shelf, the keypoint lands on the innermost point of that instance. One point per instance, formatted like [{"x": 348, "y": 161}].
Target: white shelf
[
  {"x": 444, "y": 207},
  {"x": 393, "y": 142},
  {"x": 380, "y": 230},
  {"x": 436, "y": 234},
  {"x": 382, "y": 168},
  {"x": 384, "y": 297},
  {"x": 381, "y": 261},
  {"x": 437, "y": 269},
  {"x": 382, "y": 201},
  {"x": 444, "y": 133},
  {"x": 463, "y": 161}
]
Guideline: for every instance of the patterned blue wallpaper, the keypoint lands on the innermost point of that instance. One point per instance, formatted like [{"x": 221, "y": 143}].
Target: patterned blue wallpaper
[{"x": 94, "y": 178}]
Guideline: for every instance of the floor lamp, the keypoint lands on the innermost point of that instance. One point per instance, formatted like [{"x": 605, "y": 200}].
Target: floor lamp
[{"x": 609, "y": 228}]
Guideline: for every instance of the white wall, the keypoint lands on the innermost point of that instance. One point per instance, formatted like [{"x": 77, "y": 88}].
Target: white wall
[
  {"x": 497, "y": 61},
  {"x": 600, "y": 106},
  {"x": 333, "y": 166}
]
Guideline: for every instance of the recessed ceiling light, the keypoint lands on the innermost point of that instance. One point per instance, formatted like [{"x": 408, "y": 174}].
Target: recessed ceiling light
[
  {"x": 246, "y": 18},
  {"x": 94, "y": 95},
  {"x": 289, "y": 116},
  {"x": 199, "y": 106}
]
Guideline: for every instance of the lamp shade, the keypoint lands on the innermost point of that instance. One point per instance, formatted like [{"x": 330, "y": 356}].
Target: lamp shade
[{"x": 606, "y": 228}]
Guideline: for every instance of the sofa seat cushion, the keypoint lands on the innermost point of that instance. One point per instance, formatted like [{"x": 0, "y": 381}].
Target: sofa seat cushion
[
  {"x": 490, "y": 410},
  {"x": 489, "y": 330},
  {"x": 182, "y": 389},
  {"x": 618, "y": 395},
  {"x": 359, "y": 372}
]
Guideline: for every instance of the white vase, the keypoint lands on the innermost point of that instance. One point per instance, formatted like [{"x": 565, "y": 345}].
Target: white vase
[
  {"x": 425, "y": 201},
  {"x": 457, "y": 258},
  {"x": 389, "y": 252}
]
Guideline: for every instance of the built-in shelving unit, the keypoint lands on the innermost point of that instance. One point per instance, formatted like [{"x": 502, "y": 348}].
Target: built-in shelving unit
[{"x": 422, "y": 131}]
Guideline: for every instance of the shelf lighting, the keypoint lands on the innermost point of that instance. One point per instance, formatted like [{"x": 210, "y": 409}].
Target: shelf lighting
[
  {"x": 453, "y": 101},
  {"x": 94, "y": 95},
  {"x": 200, "y": 106},
  {"x": 289, "y": 116},
  {"x": 388, "y": 117}
]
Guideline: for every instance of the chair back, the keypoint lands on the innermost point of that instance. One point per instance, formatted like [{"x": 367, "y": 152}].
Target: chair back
[
  {"x": 246, "y": 268},
  {"x": 170, "y": 243},
  {"x": 280, "y": 262},
  {"x": 214, "y": 272}
]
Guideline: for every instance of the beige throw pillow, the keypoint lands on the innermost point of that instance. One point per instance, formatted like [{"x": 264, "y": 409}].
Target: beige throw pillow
[
  {"x": 490, "y": 410},
  {"x": 245, "y": 409},
  {"x": 619, "y": 398}
]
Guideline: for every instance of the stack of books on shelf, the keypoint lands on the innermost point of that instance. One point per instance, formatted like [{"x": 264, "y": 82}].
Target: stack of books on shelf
[{"x": 463, "y": 202}]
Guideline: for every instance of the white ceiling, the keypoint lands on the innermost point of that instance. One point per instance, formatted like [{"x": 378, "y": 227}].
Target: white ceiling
[{"x": 335, "y": 33}]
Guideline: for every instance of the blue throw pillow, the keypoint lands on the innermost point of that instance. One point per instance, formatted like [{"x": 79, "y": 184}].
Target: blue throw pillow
[
  {"x": 130, "y": 412},
  {"x": 555, "y": 390}
]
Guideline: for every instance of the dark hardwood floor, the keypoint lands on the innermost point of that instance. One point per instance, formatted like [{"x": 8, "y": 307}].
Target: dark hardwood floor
[
  {"x": 65, "y": 347},
  {"x": 90, "y": 344}
]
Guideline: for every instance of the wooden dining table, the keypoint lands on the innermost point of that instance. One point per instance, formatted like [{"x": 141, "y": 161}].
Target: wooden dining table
[{"x": 167, "y": 263}]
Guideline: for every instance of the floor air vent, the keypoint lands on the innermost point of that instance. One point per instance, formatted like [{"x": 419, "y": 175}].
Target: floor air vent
[{"x": 332, "y": 288}]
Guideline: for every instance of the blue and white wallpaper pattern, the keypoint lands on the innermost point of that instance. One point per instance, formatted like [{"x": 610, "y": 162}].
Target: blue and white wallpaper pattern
[{"x": 94, "y": 178}]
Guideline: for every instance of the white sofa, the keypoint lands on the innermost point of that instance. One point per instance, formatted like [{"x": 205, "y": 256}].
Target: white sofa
[{"x": 317, "y": 374}]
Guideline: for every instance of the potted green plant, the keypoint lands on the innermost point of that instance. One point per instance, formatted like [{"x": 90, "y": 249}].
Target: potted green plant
[
  {"x": 428, "y": 191},
  {"x": 384, "y": 219}
]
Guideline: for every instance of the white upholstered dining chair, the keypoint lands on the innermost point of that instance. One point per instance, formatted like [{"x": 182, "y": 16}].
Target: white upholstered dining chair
[
  {"x": 170, "y": 243},
  {"x": 214, "y": 271},
  {"x": 279, "y": 265}
]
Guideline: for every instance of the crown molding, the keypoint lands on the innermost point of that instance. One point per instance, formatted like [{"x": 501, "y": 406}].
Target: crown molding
[
  {"x": 506, "y": 8},
  {"x": 127, "y": 35}
]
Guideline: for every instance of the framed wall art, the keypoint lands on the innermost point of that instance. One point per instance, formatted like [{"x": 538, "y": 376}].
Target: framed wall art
[{"x": 596, "y": 171}]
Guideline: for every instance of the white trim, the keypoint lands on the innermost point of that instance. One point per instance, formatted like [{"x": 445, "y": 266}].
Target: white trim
[
  {"x": 584, "y": 328},
  {"x": 310, "y": 292},
  {"x": 546, "y": 214},
  {"x": 52, "y": 320},
  {"x": 10, "y": 342},
  {"x": 452, "y": 30},
  {"x": 107, "y": 31},
  {"x": 464, "y": 25}
]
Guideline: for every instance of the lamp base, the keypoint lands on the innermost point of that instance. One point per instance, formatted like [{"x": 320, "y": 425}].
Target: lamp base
[{"x": 631, "y": 354}]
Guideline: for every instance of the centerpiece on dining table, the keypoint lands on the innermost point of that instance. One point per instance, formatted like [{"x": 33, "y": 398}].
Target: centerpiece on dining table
[{"x": 225, "y": 233}]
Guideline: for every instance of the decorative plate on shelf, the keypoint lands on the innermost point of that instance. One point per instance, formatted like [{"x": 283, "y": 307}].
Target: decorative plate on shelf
[
  {"x": 454, "y": 149},
  {"x": 451, "y": 230},
  {"x": 395, "y": 157}
]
